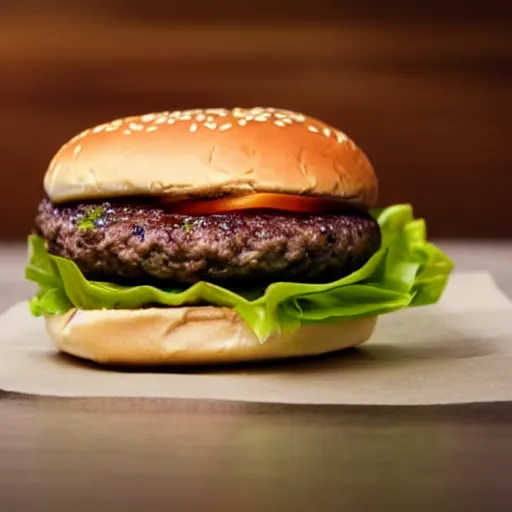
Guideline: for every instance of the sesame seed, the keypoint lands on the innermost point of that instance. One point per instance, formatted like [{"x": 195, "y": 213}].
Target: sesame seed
[
  {"x": 287, "y": 120},
  {"x": 279, "y": 115},
  {"x": 226, "y": 126},
  {"x": 186, "y": 117},
  {"x": 218, "y": 111},
  {"x": 300, "y": 118},
  {"x": 327, "y": 132},
  {"x": 261, "y": 118},
  {"x": 171, "y": 120},
  {"x": 238, "y": 113},
  {"x": 242, "y": 122},
  {"x": 211, "y": 126},
  {"x": 77, "y": 149},
  {"x": 249, "y": 118},
  {"x": 147, "y": 118},
  {"x": 279, "y": 123},
  {"x": 313, "y": 129},
  {"x": 341, "y": 137},
  {"x": 127, "y": 132},
  {"x": 193, "y": 127},
  {"x": 200, "y": 117},
  {"x": 111, "y": 128},
  {"x": 98, "y": 129},
  {"x": 161, "y": 120},
  {"x": 136, "y": 127},
  {"x": 152, "y": 128}
]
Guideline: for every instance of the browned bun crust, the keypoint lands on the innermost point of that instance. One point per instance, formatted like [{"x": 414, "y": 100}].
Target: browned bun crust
[
  {"x": 210, "y": 153},
  {"x": 191, "y": 336}
]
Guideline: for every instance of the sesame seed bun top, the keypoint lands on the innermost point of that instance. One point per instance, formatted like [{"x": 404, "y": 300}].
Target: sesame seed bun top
[{"x": 209, "y": 153}]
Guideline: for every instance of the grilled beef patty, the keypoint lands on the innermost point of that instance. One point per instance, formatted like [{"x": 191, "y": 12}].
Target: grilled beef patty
[{"x": 130, "y": 243}]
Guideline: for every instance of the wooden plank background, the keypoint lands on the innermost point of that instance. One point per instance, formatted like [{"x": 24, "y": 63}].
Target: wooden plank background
[{"x": 425, "y": 91}]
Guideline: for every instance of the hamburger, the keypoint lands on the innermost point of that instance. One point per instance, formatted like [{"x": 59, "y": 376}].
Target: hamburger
[{"x": 220, "y": 235}]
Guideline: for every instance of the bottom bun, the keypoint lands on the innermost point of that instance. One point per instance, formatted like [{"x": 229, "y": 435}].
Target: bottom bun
[{"x": 191, "y": 335}]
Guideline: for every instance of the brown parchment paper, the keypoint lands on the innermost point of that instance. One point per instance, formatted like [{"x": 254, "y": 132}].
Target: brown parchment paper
[{"x": 459, "y": 350}]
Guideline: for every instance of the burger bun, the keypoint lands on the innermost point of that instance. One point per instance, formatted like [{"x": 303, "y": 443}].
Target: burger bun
[
  {"x": 191, "y": 336},
  {"x": 212, "y": 153}
]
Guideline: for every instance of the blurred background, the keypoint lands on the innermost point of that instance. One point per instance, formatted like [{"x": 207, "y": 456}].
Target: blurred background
[{"x": 423, "y": 87}]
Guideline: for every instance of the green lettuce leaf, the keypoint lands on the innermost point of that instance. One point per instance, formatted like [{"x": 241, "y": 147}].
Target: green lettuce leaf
[{"x": 406, "y": 271}]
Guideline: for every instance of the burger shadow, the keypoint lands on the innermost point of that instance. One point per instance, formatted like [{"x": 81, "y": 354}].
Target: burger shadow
[
  {"x": 377, "y": 353},
  {"x": 347, "y": 358},
  {"x": 350, "y": 355}
]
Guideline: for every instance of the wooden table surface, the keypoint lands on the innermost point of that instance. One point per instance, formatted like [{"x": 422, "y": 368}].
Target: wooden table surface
[{"x": 141, "y": 454}]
